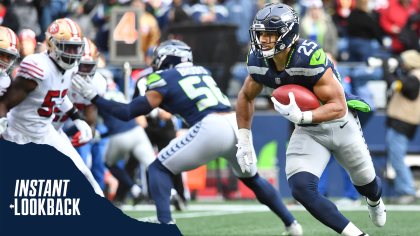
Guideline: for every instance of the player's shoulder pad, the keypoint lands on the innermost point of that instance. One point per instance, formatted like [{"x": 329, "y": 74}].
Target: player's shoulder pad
[
  {"x": 33, "y": 66},
  {"x": 100, "y": 83},
  {"x": 254, "y": 65},
  {"x": 309, "y": 60},
  {"x": 5, "y": 82},
  {"x": 156, "y": 80}
]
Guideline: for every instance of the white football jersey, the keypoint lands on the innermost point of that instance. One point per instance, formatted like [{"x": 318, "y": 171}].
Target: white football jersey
[
  {"x": 34, "y": 115},
  {"x": 4, "y": 83},
  {"x": 79, "y": 101}
]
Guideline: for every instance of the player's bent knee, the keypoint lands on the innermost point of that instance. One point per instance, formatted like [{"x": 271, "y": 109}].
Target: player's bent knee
[
  {"x": 362, "y": 174},
  {"x": 304, "y": 186}
]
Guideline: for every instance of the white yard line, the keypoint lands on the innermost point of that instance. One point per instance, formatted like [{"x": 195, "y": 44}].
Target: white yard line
[
  {"x": 193, "y": 215},
  {"x": 263, "y": 208}
]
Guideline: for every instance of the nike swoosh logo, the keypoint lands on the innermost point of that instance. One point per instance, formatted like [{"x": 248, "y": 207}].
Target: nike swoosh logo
[
  {"x": 35, "y": 63},
  {"x": 318, "y": 57},
  {"x": 342, "y": 126}
]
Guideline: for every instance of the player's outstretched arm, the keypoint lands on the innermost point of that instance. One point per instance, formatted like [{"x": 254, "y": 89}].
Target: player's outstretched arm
[
  {"x": 139, "y": 106},
  {"x": 330, "y": 92},
  {"x": 245, "y": 103},
  {"x": 17, "y": 92}
]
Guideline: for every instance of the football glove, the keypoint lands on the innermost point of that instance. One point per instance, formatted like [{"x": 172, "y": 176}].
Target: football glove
[
  {"x": 292, "y": 112},
  {"x": 245, "y": 155},
  {"x": 86, "y": 89},
  {"x": 3, "y": 124},
  {"x": 83, "y": 136}
]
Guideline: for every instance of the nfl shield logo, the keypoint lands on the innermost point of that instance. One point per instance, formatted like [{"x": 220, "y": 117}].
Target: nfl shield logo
[{"x": 278, "y": 81}]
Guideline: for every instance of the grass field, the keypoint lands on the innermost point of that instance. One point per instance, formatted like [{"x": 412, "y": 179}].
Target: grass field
[{"x": 252, "y": 218}]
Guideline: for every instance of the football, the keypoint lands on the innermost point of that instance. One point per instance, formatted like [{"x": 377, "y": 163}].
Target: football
[{"x": 305, "y": 99}]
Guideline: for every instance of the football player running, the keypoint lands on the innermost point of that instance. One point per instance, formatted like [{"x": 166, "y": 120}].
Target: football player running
[
  {"x": 278, "y": 57},
  {"x": 40, "y": 86},
  {"x": 9, "y": 54},
  {"x": 190, "y": 92}
]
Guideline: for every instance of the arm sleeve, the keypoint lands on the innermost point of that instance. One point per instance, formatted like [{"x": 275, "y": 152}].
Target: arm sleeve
[
  {"x": 66, "y": 105},
  {"x": 138, "y": 106}
]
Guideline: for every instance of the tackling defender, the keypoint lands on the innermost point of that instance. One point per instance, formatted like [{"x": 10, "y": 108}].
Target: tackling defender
[
  {"x": 189, "y": 91},
  {"x": 278, "y": 57},
  {"x": 40, "y": 86}
]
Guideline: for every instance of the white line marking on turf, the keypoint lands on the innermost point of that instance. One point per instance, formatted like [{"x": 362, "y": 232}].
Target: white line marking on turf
[
  {"x": 193, "y": 215},
  {"x": 263, "y": 208}
]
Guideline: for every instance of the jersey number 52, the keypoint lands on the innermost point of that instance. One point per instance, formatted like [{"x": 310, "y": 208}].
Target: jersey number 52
[
  {"x": 212, "y": 92},
  {"x": 49, "y": 103}
]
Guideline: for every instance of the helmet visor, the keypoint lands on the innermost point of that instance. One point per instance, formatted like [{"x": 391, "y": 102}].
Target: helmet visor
[{"x": 87, "y": 68}]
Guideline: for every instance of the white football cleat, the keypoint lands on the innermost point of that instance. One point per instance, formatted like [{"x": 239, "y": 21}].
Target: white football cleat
[
  {"x": 377, "y": 213},
  {"x": 295, "y": 229}
]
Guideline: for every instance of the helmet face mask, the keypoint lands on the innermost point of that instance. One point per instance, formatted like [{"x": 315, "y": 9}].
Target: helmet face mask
[
  {"x": 67, "y": 52},
  {"x": 169, "y": 54},
  {"x": 7, "y": 66},
  {"x": 65, "y": 43},
  {"x": 89, "y": 61},
  {"x": 278, "y": 19},
  {"x": 9, "y": 50}
]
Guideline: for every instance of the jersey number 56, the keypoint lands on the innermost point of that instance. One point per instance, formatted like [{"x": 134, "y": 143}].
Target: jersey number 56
[{"x": 212, "y": 92}]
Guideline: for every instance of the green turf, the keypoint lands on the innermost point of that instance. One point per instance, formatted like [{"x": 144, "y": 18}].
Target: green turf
[{"x": 399, "y": 223}]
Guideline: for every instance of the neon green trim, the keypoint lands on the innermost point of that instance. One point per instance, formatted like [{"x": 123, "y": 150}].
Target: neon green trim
[
  {"x": 318, "y": 58},
  {"x": 290, "y": 56},
  {"x": 361, "y": 106},
  {"x": 265, "y": 62},
  {"x": 153, "y": 78}
]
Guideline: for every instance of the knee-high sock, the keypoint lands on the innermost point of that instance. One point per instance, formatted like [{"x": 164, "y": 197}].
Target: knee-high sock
[
  {"x": 160, "y": 186},
  {"x": 372, "y": 190},
  {"x": 121, "y": 175},
  {"x": 304, "y": 186},
  {"x": 269, "y": 196}
]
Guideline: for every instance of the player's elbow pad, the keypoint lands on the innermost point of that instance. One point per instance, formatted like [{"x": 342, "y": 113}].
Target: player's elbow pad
[{"x": 342, "y": 119}]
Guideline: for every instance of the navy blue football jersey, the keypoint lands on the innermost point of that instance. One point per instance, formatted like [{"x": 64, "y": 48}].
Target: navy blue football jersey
[
  {"x": 306, "y": 64},
  {"x": 188, "y": 92}
]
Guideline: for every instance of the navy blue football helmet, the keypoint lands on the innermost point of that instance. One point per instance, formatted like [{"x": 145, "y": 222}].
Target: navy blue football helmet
[
  {"x": 169, "y": 54},
  {"x": 279, "y": 19}
]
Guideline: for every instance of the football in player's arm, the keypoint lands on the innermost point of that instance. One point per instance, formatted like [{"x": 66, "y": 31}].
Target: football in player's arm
[{"x": 278, "y": 57}]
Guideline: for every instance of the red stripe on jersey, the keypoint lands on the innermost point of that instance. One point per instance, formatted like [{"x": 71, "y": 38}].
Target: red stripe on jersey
[
  {"x": 32, "y": 66},
  {"x": 24, "y": 72},
  {"x": 22, "y": 67}
]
